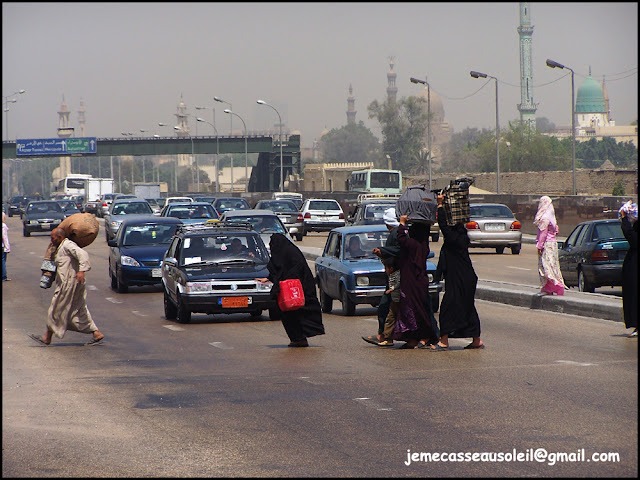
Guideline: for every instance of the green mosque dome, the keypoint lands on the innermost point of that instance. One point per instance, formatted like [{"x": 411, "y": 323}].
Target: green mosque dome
[{"x": 590, "y": 98}]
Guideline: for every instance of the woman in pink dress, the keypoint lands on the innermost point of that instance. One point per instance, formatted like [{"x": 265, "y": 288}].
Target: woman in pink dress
[{"x": 548, "y": 267}]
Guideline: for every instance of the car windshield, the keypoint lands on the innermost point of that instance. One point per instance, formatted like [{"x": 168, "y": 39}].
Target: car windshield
[
  {"x": 323, "y": 205},
  {"x": 261, "y": 223},
  {"x": 148, "y": 234},
  {"x": 49, "y": 207},
  {"x": 376, "y": 212},
  {"x": 187, "y": 211},
  {"x": 224, "y": 249},
  {"x": 231, "y": 204},
  {"x": 490, "y": 211},
  {"x": 279, "y": 206},
  {"x": 66, "y": 205},
  {"x": 361, "y": 245},
  {"x": 132, "y": 208}
]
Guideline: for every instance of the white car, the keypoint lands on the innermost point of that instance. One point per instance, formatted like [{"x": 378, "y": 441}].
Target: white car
[
  {"x": 321, "y": 215},
  {"x": 178, "y": 200}
]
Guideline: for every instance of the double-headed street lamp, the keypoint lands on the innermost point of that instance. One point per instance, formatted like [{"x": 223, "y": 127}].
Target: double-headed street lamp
[
  {"x": 484, "y": 75},
  {"x": 218, "y": 99},
  {"x": 193, "y": 159},
  {"x": 552, "y": 64},
  {"x": 246, "y": 161},
  {"x": 175, "y": 164},
  {"x": 198, "y": 119},
  {"x": 424, "y": 82},
  {"x": 262, "y": 102},
  {"x": 7, "y": 101}
]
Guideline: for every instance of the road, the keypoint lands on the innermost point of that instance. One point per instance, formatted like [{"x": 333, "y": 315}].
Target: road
[{"x": 224, "y": 396}]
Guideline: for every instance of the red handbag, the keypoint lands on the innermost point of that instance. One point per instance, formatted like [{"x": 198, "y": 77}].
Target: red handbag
[{"x": 291, "y": 296}]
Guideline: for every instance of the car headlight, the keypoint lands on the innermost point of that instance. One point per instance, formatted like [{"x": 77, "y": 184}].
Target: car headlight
[
  {"x": 116, "y": 223},
  {"x": 33, "y": 222},
  {"x": 362, "y": 281},
  {"x": 197, "y": 287},
  {"x": 131, "y": 262},
  {"x": 430, "y": 276},
  {"x": 264, "y": 287}
]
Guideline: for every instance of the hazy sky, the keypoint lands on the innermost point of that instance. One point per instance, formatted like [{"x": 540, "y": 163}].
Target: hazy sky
[{"x": 131, "y": 62}]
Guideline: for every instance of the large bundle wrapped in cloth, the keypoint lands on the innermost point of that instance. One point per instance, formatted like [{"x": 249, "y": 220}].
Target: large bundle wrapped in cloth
[
  {"x": 82, "y": 228},
  {"x": 456, "y": 200},
  {"x": 418, "y": 203}
]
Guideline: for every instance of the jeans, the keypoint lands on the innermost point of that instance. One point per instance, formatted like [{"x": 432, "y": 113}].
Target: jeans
[{"x": 4, "y": 265}]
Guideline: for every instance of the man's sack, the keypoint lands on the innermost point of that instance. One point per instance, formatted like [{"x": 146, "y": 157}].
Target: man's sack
[
  {"x": 291, "y": 296},
  {"x": 82, "y": 228},
  {"x": 456, "y": 201},
  {"x": 418, "y": 203}
]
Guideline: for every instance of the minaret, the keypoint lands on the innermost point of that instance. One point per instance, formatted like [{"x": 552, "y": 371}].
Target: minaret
[
  {"x": 81, "y": 119},
  {"x": 606, "y": 102},
  {"x": 181, "y": 117},
  {"x": 351, "y": 109},
  {"x": 64, "y": 130},
  {"x": 526, "y": 107},
  {"x": 392, "y": 90}
]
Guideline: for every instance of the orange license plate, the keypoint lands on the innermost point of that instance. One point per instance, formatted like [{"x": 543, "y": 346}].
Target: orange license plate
[{"x": 235, "y": 302}]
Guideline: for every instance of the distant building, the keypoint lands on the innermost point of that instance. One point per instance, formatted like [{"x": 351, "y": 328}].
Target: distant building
[{"x": 351, "y": 107}]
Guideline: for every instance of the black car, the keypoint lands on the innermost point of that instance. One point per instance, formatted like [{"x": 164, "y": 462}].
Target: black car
[
  {"x": 593, "y": 254},
  {"x": 136, "y": 252},
  {"x": 41, "y": 216},
  {"x": 222, "y": 204},
  {"x": 14, "y": 204},
  {"x": 212, "y": 269},
  {"x": 69, "y": 207}
]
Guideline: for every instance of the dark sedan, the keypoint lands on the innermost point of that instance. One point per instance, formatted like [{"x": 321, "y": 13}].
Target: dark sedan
[
  {"x": 136, "y": 252},
  {"x": 41, "y": 216},
  {"x": 69, "y": 207},
  {"x": 592, "y": 255}
]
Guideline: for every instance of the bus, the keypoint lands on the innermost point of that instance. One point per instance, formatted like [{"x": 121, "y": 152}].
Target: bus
[
  {"x": 73, "y": 184},
  {"x": 376, "y": 181}
]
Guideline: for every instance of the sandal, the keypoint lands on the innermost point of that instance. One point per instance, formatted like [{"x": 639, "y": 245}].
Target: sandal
[{"x": 385, "y": 343}]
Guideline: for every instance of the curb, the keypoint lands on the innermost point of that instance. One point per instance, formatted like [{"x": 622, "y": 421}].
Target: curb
[{"x": 583, "y": 304}]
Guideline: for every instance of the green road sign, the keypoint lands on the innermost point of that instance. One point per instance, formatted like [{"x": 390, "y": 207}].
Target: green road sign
[{"x": 81, "y": 145}]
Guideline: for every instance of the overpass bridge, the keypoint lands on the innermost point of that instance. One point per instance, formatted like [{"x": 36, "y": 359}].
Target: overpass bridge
[{"x": 265, "y": 177}]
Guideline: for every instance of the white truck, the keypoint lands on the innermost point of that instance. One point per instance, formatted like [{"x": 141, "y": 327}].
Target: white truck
[
  {"x": 94, "y": 189},
  {"x": 146, "y": 190}
]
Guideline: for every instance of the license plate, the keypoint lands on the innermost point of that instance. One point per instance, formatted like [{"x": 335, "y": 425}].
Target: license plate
[
  {"x": 156, "y": 272},
  {"x": 494, "y": 227},
  {"x": 46, "y": 226},
  {"x": 235, "y": 302}
]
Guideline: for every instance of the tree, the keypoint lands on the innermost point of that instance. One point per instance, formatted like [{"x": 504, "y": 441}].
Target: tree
[
  {"x": 403, "y": 126},
  {"x": 618, "y": 189},
  {"x": 350, "y": 143},
  {"x": 544, "y": 125}
]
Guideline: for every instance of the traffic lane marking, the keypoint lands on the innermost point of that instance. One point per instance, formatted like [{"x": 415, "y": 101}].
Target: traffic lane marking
[
  {"x": 221, "y": 345},
  {"x": 520, "y": 268},
  {"x": 136, "y": 312},
  {"x": 367, "y": 402},
  {"x": 112, "y": 300},
  {"x": 174, "y": 328}
]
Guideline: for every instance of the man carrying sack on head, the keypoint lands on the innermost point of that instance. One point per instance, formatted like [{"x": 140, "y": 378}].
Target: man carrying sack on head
[{"x": 82, "y": 229}]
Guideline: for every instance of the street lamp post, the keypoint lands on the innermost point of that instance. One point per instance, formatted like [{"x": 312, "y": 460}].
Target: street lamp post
[
  {"x": 262, "y": 102},
  {"x": 246, "y": 160},
  {"x": 484, "y": 75},
  {"x": 552, "y": 64},
  {"x": 192, "y": 159},
  {"x": 417, "y": 80},
  {"x": 7, "y": 101},
  {"x": 217, "y": 148},
  {"x": 175, "y": 164}
]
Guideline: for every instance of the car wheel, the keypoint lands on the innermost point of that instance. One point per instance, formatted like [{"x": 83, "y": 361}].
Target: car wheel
[
  {"x": 256, "y": 313},
  {"x": 106, "y": 234},
  {"x": 10, "y": 214},
  {"x": 304, "y": 232},
  {"x": 499, "y": 250},
  {"x": 183, "y": 313},
  {"x": 170, "y": 310},
  {"x": 326, "y": 302},
  {"x": 435, "y": 237},
  {"x": 299, "y": 236},
  {"x": 121, "y": 287},
  {"x": 26, "y": 232},
  {"x": 583, "y": 283},
  {"x": 348, "y": 307},
  {"x": 515, "y": 250}
]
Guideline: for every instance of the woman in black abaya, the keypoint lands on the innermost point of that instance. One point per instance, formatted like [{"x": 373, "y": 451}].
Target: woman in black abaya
[
  {"x": 458, "y": 315},
  {"x": 287, "y": 262}
]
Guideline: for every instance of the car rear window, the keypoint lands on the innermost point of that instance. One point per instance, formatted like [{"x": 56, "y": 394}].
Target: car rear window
[
  {"x": 490, "y": 211},
  {"x": 323, "y": 205},
  {"x": 607, "y": 231}
]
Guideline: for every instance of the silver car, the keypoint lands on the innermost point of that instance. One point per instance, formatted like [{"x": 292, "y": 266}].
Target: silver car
[
  {"x": 122, "y": 208},
  {"x": 287, "y": 212},
  {"x": 265, "y": 222},
  {"x": 493, "y": 225}
]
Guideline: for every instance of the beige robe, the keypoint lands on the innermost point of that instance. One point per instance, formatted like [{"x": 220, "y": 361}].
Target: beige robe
[{"x": 68, "y": 310}]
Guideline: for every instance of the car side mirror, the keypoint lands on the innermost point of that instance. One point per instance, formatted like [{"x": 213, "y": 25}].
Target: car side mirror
[
  {"x": 431, "y": 254},
  {"x": 170, "y": 261},
  {"x": 112, "y": 243},
  {"x": 561, "y": 245}
]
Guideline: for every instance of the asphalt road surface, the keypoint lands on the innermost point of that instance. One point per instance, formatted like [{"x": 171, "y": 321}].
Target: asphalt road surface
[{"x": 224, "y": 396}]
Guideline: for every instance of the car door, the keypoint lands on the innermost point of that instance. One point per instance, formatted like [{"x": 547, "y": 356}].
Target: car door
[
  {"x": 566, "y": 257},
  {"x": 169, "y": 269},
  {"x": 326, "y": 264}
]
